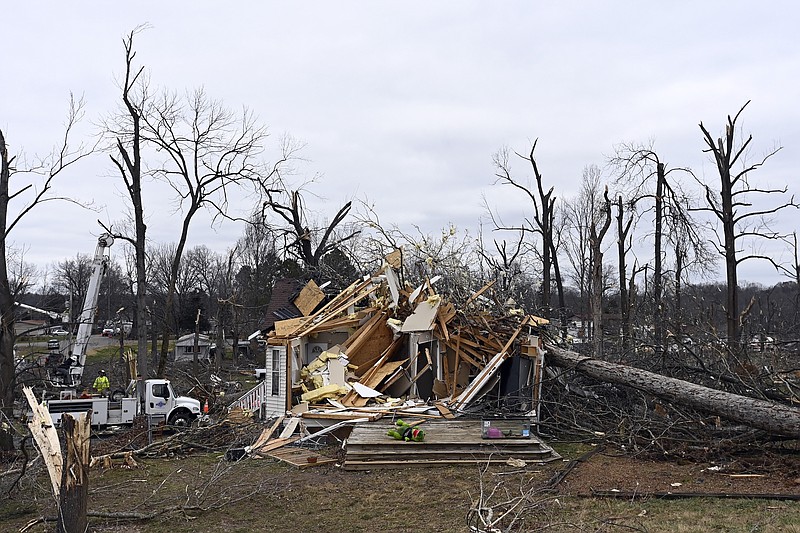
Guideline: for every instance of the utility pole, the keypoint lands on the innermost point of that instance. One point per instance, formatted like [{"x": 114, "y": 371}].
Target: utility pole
[{"x": 196, "y": 342}]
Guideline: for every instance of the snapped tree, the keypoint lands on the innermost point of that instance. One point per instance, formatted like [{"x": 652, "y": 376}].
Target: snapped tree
[{"x": 734, "y": 207}]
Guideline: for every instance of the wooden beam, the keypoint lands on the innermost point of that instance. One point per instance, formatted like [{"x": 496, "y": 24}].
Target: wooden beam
[
  {"x": 479, "y": 292},
  {"x": 455, "y": 370}
]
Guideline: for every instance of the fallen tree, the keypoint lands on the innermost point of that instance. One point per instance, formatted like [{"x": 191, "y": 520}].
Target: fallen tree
[{"x": 775, "y": 418}]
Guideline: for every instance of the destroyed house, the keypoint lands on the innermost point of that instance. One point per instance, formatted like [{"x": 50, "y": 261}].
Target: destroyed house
[{"x": 376, "y": 347}]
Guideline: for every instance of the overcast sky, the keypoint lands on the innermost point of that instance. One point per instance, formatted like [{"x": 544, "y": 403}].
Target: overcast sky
[{"x": 404, "y": 103}]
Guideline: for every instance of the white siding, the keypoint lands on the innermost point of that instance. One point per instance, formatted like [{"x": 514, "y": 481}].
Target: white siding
[{"x": 276, "y": 380}]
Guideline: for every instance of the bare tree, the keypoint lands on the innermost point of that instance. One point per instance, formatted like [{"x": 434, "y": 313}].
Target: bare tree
[
  {"x": 543, "y": 204},
  {"x": 733, "y": 207},
  {"x": 126, "y": 133},
  {"x": 306, "y": 244},
  {"x": 624, "y": 238},
  {"x": 448, "y": 253},
  {"x": 642, "y": 172},
  {"x": 209, "y": 152},
  {"x": 600, "y": 223},
  {"x": 579, "y": 215},
  {"x": 16, "y": 201}
]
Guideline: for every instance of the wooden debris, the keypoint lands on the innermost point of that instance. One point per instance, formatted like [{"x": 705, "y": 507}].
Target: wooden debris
[
  {"x": 274, "y": 444},
  {"x": 300, "y": 457},
  {"x": 237, "y": 415},
  {"x": 310, "y": 297},
  {"x": 444, "y": 410},
  {"x": 479, "y": 292},
  {"x": 267, "y": 433},
  {"x": 394, "y": 258},
  {"x": 290, "y": 428},
  {"x": 73, "y": 497},
  {"x": 46, "y": 438}
]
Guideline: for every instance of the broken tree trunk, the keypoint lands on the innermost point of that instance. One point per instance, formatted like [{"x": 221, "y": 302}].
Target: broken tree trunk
[
  {"x": 75, "y": 477},
  {"x": 46, "y": 438},
  {"x": 774, "y": 418}
]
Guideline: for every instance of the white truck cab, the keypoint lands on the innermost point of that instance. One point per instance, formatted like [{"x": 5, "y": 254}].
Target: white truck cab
[{"x": 160, "y": 400}]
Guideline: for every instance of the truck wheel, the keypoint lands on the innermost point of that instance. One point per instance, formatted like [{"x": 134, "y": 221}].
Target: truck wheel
[{"x": 180, "y": 420}]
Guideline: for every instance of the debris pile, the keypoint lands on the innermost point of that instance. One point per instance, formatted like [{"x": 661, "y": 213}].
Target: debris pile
[{"x": 378, "y": 349}]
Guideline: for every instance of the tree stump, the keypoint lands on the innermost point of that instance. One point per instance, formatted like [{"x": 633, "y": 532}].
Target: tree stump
[{"x": 74, "y": 492}]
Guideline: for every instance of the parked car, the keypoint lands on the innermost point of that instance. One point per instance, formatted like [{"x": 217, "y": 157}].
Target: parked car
[
  {"x": 59, "y": 331},
  {"x": 108, "y": 332}
]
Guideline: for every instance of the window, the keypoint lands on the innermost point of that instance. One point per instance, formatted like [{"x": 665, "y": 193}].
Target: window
[
  {"x": 188, "y": 349},
  {"x": 160, "y": 390},
  {"x": 276, "y": 372}
]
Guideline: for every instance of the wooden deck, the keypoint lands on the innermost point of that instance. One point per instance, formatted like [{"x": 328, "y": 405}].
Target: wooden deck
[{"x": 446, "y": 442}]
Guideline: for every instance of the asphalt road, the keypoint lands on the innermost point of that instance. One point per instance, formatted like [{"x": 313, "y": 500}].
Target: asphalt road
[{"x": 95, "y": 341}]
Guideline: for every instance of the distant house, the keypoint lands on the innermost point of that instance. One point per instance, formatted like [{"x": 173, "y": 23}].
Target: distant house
[
  {"x": 184, "y": 348},
  {"x": 30, "y": 327}
]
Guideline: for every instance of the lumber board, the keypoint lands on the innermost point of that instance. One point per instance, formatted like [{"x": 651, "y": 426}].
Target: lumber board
[
  {"x": 267, "y": 433},
  {"x": 274, "y": 444},
  {"x": 343, "y": 415},
  {"x": 309, "y": 298},
  {"x": 479, "y": 292}
]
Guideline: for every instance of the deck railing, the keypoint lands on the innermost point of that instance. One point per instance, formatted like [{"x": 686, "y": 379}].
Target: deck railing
[{"x": 253, "y": 399}]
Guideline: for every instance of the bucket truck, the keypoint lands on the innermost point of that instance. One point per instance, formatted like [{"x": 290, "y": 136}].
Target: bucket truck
[
  {"x": 160, "y": 403},
  {"x": 159, "y": 399}
]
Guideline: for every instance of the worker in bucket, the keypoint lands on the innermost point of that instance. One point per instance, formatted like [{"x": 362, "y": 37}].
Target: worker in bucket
[
  {"x": 63, "y": 369},
  {"x": 101, "y": 384}
]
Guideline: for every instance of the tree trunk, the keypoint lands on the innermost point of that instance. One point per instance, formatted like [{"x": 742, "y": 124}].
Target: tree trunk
[
  {"x": 195, "y": 367},
  {"x": 75, "y": 475},
  {"x": 624, "y": 301},
  {"x": 562, "y": 304},
  {"x": 596, "y": 242},
  {"x": 680, "y": 256},
  {"x": 597, "y": 300},
  {"x": 658, "y": 327},
  {"x": 219, "y": 353},
  {"x": 775, "y": 418},
  {"x": 7, "y": 381}
]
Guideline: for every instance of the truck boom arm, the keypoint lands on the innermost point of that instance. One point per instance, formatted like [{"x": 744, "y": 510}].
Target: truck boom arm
[
  {"x": 51, "y": 314},
  {"x": 86, "y": 320}
]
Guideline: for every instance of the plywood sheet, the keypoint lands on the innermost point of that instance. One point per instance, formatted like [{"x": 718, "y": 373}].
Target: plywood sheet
[
  {"x": 310, "y": 297},
  {"x": 423, "y": 316},
  {"x": 395, "y": 258},
  {"x": 284, "y": 327}
]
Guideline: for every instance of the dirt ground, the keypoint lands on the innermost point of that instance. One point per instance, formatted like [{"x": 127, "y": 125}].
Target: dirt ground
[
  {"x": 611, "y": 471},
  {"x": 205, "y": 493}
]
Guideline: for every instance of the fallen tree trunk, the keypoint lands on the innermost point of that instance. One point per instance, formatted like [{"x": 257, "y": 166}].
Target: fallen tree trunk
[{"x": 775, "y": 418}]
